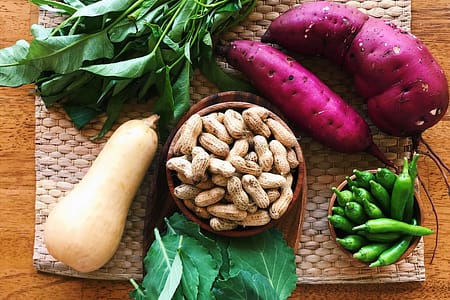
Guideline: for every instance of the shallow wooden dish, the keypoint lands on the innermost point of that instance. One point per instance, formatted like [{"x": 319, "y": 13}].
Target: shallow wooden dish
[
  {"x": 417, "y": 214},
  {"x": 239, "y": 101}
]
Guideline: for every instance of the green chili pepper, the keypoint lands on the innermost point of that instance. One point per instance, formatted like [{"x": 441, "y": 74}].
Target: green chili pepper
[
  {"x": 382, "y": 225},
  {"x": 371, "y": 252},
  {"x": 392, "y": 254},
  {"x": 386, "y": 178},
  {"x": 350, "y": 182},
  {"x": 409, "y": 206},
  {"x": 381, "y": 195},
  {"x": 352, "y": 242},
  {"x": 386, "y": 237},
  {"x": 338, "y": 210},
  {"x": 364, "y": 197},
  {"x": 355, "y": 212},
  {"x": 342, "y": 223},
  {"x": 342, "y": 196},
  {"x": 401, "y": 191},
  {"x": 363, "y": 178}
]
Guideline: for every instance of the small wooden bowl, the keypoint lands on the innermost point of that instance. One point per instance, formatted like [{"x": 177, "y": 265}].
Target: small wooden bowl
[
  {"x": 335, "y": 233},
  {"x": 238, "y": 101}
]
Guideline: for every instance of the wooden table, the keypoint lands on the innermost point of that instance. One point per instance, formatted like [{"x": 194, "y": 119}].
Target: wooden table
[{"x": 19, "y": 280}]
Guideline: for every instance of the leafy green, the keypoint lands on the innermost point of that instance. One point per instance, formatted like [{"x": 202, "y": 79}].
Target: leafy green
[
  {"x": 213, "y": 267},
  {"x": 144, "y": 50}
]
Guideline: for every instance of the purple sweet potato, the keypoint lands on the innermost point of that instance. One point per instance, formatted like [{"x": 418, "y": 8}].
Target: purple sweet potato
[
  {"x": 405, "y": 88},
  {"x": 303, "y": 98}
]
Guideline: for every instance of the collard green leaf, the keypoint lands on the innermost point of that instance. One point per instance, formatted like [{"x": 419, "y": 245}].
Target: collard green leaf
[
  {"x": 173, "y": 279},
  {"x": 268, "y": 254},
  {"x": 244, "y": 286},
  {"x": 190, "y": 280},
  {"x": 13, "y": 72}
]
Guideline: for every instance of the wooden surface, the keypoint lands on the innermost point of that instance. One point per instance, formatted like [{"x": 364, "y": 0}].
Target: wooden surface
[{"x": 19, "y": 280}]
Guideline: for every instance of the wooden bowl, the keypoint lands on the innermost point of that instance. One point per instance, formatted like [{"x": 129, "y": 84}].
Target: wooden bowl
[
  {"x": 336, "y": 233},
  {"x": 237, "y": 101}
]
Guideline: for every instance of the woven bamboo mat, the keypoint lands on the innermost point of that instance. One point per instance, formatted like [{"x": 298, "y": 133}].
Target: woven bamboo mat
[{"x": 63, "y": 155}]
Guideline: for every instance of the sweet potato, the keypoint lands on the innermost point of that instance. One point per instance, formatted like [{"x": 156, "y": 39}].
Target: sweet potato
[
  {"x": 303, "y": 98},
  {"x": 405, "y": 88}
]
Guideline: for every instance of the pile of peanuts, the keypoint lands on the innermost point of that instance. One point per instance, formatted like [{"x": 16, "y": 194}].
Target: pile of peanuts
[{"x": 235, "y": 168}]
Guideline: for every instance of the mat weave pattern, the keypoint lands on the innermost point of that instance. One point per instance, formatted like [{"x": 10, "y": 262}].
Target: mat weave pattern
[{"x": 64, "y": 154}]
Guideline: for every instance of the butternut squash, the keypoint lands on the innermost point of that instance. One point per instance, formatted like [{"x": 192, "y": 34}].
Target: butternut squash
[{"x": 85, "y": 228}]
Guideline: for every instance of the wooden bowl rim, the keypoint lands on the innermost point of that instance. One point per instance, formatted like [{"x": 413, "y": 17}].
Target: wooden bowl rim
[
  {"x": 418, "y": 213},
  {"x": 227, "y": 102}
]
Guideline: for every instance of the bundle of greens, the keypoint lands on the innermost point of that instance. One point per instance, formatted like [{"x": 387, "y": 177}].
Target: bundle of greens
[
  {"x": 107, "y": 52},
  {"x": 185, "y": 263}
]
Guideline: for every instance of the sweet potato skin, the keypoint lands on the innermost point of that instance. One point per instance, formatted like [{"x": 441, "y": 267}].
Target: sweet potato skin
[
  {"x": 405, "y": 88},
  {"x": 323, "y": 28},
  {"x": 300, "y": 96}
]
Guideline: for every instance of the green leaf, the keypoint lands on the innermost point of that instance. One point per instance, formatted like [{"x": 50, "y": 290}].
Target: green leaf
[
  {"x": 181, "y": 91},
  {"x": 13, "y": 72},
  {"x": 65, "y": 54},
  {"x": 131, "y": 68},
  {"x": 244, "y": 286},
  {"x": 173, "y": 279},
  {"x": 268, "y": 254},
  {"x": 103, "y": 7}
]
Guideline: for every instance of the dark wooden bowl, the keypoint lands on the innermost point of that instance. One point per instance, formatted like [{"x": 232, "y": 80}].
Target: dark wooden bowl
[
  {"x": 238, "y": 101},
  {"x": 334, "y": 233}
]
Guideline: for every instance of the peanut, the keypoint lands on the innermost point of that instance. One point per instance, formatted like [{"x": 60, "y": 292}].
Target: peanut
[
  {"x": 221, "y": 167},
  {"x": 227, "y": 212},
  {"x": 252, "y": 207},
  {"x": 219, "y": 180},
  {"x": 254, "y": 122},
  {"x": 237, "y": 193},
  {"x": 265, "y": 156},
  {"x": 292, "y": 158},
  {"x": 281, "y": 133},
  {"x": 280, "y": 161},
  {"x": 213, "y": 126},
  {"x": 186, "y": 191},
  {"x": 270, "y": 180},
  {"x": 189, "y": 133},
  {"x": 280, "y": 206},
  {"x": 245, "y": 166},
  {"x": 258, "y": 218},
  {"x": 251, "y": 156},
  {"x": 200, "y": 163},
  {"x": 256, "y": 192},
  {"x": 214, "y": 145},
  {"x": 181, "y": 165},
  {"x": 218, "y": 224},
  {"x": 239, "y": 148},
  {"x": 199, "y": 211},
  {"x": 209, "y": 197},
  {"x": 273, "y": 194},
  {"x": 235, "y": 125}
]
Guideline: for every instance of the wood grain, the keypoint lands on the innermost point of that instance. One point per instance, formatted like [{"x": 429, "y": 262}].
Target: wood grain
[{"x": 19, "y": 280}]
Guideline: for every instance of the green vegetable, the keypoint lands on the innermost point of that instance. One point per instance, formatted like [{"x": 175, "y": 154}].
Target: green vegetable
[
  {"x": 350, "y": 182},
  {"x": 352, "y": 242},
  {"x": 409, "y": 206},
  {"x": 364, "y": 197},
  {"x": 385, "y": 237},
  {"x": 392, "y": 254},
  {"x": 381, "y": 195},
  {"x": 342, "y": 196},
  {"x": 341, "y": 223},
  {"x": 386, "y": 178},
  {"x": 363, "y": 178},
  {"x": 338, "y": 210},
  {"x": 355, "y": 212},
  {"x": 370, "y": 252},
  {"x": 109, "y": 52},
  {"x": 185, "y": 263},
  {"x": 401, "y": 192},
  {"x": 382, "y": 225}
]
